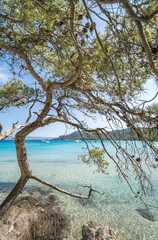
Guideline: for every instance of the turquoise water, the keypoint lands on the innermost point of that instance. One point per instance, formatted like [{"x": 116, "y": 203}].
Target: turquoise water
[{"x": 57, "y": 162}]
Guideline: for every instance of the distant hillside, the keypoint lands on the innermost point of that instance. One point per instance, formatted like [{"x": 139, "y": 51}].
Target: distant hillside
[
  {"x": 72, "y": 136},
  {"x": 123, "y": 134}
]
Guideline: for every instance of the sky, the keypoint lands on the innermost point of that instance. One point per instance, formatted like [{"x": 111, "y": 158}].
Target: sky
[{"x": 7, "y": 118}]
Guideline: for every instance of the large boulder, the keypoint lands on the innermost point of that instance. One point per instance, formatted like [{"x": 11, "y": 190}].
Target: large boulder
[
  {"x": 97, "y": 231},
  {"x": 30, "y": 219}
]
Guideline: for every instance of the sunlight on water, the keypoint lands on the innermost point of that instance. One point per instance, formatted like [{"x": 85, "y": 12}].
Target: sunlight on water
[{"x": 57, "y": 162}]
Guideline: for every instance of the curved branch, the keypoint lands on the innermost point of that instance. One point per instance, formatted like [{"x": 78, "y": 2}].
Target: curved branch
[
  {"x": 147, "y": 47},
  {"x": 137, "y": 20},
  {"x": 145, "y": 18},
  {"x": 148, "y": 17},
  {"x": 15, "y": 127},
  {"x": 82, "y": 197},
  {"x": 24, "y": 57},
  {"x": 11, "y": 131},
  {"x": 74, "y": 78},
  {"x": 133, "y": 15}
]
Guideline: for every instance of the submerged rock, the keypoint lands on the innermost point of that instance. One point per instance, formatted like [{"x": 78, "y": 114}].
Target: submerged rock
[
  {"x": 97, "y": 231},
  {"x": 145, "y": 213},
  {"x": 30, "y": 219}
]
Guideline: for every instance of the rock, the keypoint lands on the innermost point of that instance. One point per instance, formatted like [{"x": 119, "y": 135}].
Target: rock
[
  {"x": 30, "y": 219},
  {"x": 97, "y": 231}
]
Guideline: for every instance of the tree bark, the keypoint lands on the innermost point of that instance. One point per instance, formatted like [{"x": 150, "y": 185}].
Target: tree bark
[
  {"x": 22, "y": 155},
  {"x": 12, "y": 195},
  {"x": 25, "y": 174}
]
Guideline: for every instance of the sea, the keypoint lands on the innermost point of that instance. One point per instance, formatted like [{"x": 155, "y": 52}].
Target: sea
[{"x": 58, "y": 162}]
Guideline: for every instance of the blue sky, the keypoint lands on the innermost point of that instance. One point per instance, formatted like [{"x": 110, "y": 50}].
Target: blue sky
[{"x": 7, "y": 118}]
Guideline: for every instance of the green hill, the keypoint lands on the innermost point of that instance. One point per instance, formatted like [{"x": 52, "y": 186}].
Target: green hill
[{"x": 123, "y": 134}]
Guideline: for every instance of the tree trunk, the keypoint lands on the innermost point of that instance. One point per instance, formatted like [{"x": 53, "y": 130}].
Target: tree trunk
[
  {"x": 25, "y": 173},
  {"x": 12, "y": 195},
  {"x": 22, "y": 156}
]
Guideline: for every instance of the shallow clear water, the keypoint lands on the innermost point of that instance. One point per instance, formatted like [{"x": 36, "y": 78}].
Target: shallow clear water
[{"x": 57, "y": 162}]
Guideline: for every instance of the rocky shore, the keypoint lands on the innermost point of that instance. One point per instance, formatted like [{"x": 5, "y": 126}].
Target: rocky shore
[
  {"x": 38, "y": 217},
  {"x": 31, "y": 219},
  {"x": 97, "y": 231}
]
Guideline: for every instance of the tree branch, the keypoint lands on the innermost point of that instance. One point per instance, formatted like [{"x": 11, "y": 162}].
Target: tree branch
[
  {"x": 110, "y": 1},
  {"x": 122, "y": 173},
  {"x": 23, "y": 56},
  {"x": 82, "y": 197},
  {"x": 103, "y": 49},
  {"x": 138, "y": 20},
  {"x": 72, "y": 6},
  {"x": 74, "y": 78},
  {"x": 5, "y": 16},
  {"x": 11, "y": 131},
  {"x": 133, "y": 15},
  {"x": 15, "y": 127}
]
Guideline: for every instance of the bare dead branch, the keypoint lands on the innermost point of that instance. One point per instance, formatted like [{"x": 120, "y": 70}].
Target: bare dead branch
[
  {"x": 82, "y": 197},
  {"x": 90, "y": 187},
  {"x": 11, "y": 131},
  {"x": 15, "y": 126}
]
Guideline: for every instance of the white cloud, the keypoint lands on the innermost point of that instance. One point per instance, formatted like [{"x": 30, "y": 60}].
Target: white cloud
[
  {"x": 3, "y": 74},
  {"x": 3, "y": 77}
]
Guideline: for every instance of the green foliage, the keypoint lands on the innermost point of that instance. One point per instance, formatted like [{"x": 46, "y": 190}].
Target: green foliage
[
  {"x": 96, "y": 156},
  {"x": 38, "y": 38},
  {"x": 15, "y": 94},
  {"x": 114, "y": 63},
  {"x": 154, "y": 166},
  {"x": 152, "y": 109},
  {"x": 42, "y": 30}
]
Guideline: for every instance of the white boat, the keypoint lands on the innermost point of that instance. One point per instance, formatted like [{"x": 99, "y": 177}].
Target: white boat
[
  {"x": 77, "y": 141},
  {"x": 45, "y": 141}
]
